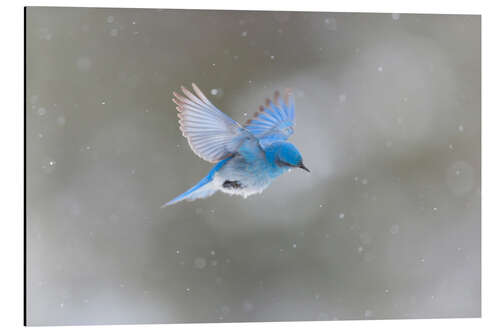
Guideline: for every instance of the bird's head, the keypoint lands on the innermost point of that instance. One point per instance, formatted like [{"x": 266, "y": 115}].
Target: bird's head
[{"x": 289, "y": 156}]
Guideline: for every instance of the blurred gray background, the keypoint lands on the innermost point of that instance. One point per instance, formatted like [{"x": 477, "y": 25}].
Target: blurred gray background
[{"x": 387, "y": 225}]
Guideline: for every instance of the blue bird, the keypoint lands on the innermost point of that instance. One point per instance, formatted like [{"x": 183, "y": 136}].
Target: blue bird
[{"x": 248, "y": 157}]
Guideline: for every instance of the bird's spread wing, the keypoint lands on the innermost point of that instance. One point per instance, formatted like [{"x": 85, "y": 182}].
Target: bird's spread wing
[
  {"x": 211, "y": 134},
  {"x": 274, "y": 121}
]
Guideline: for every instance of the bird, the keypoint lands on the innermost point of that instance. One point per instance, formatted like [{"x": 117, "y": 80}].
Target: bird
[{"x": 247, "y": 158}]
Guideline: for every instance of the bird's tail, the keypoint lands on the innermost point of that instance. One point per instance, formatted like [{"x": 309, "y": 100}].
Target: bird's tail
[{"x": 203, "y": 189}]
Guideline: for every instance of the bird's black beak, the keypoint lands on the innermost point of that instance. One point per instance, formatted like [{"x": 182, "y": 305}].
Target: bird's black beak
[{"x": 302, "y": 166}]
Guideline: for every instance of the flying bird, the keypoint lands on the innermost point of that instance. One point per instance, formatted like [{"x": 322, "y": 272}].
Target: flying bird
[{"x": 248, "y": 157}]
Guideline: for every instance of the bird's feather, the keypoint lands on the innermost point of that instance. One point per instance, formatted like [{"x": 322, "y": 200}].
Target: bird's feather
[
  {"x": 275, "y": 121},
  {"x": 211, "y": 134},
  {"x": 203, "y": 189}
]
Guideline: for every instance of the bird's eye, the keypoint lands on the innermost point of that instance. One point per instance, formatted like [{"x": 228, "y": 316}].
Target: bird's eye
[{"x": 283, "y": 164}]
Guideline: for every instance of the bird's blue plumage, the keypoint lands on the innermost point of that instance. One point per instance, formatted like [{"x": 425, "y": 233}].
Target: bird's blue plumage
[{"x": 248, "y": 158}]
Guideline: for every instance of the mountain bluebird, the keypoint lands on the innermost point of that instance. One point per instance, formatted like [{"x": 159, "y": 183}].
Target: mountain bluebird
[{"x": 248, "y": 157}]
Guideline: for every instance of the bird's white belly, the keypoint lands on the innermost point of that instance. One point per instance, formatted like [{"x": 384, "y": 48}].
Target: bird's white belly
[{"x": 235, "y": 179}]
